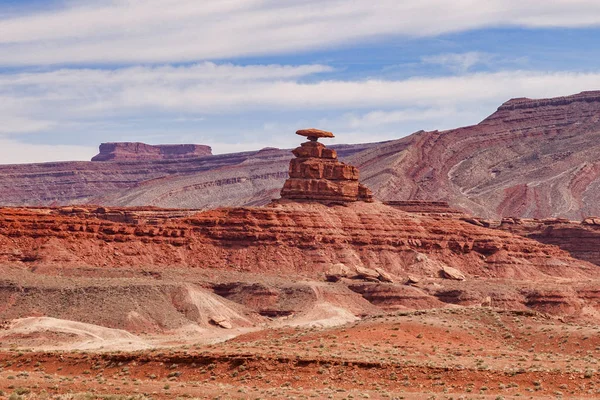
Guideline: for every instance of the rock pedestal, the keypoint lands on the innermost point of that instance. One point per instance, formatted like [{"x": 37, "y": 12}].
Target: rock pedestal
[{"x": 316, "y": 174}]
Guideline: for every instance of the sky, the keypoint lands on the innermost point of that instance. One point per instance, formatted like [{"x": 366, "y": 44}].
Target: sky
[{"x": 241, "y": 75}]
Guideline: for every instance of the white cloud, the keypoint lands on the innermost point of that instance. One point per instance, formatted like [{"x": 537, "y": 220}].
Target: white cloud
[
  {"x": 379, "y": 117},
  {"x": 36, "y": 101},
  {"x": 459, "y": 62},
  {"x": 72, "y": 94},
  {"x": 82, "y": 93},
  {"x": 131, "y": 90},
  {"x": 12, "y": 125},
  {"x": 162, "y": 31},
  {"x": 147, "y": 99}
]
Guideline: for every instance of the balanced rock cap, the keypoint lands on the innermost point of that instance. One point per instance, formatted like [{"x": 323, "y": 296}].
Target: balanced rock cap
[{"x": 314, "y": 134}]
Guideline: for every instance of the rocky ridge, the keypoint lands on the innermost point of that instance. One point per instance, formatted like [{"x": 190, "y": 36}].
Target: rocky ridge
[
  {"x": 530, "y": 159},
  {"x": 237, "y": 179},
  {"x": 244, "y": 246}
]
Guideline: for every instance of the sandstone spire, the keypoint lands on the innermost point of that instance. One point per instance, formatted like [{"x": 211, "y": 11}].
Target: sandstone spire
[{"x": 316, "y": 173}]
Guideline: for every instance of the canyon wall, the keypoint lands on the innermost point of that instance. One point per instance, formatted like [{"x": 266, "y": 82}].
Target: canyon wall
[{"x": 284, "y": 236}]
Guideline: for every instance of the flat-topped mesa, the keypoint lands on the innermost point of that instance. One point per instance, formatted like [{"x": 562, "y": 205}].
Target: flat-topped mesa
[
  {"x": 316, "y": 174},
  {"x": 127, "y": 151}
]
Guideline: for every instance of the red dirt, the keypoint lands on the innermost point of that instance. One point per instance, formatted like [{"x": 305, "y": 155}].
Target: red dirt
[{"x": 450, "y": 353}]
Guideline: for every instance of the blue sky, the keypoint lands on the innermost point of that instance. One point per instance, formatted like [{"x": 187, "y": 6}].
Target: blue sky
[{"x": 245, "y": 74}]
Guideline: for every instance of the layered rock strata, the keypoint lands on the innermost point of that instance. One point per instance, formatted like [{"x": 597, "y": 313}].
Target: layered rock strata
[
  {"x": 289, "y": 236},
  {"x": 126, "y": 151},
  {"x": 236, "y": 179},
  {"x": 580, "y": 239},
  {"x": 316, "y": 174},
  {"x": 297, "y": 241},
  {"x": 441, "y": 208},
  {"x": 530, "y": 159}
]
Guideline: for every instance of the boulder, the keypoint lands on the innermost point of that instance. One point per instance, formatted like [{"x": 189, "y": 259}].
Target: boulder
[
  {"x": 384, "y": 276},
  {"x": 313, "y": 134},
  {"x": 338, "y": 271},
  {"x": 367, "y": 274},
  {"x": 452, "y": 273},
  {"x": 221, "y": 321},
  {"x": 487, "y": 302}
]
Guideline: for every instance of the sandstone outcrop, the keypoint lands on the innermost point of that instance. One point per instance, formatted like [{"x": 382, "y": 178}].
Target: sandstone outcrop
[
  {"x": 288, "y": 236},
  {"x": 340, "y": 271},
  {"x": 127, "y": 257},
  {"x": 395, "y": 297},
  {"x": 316, "y": 174},
  {"x": 127, "y": 151},
  {"x": 314, "y": 134}
]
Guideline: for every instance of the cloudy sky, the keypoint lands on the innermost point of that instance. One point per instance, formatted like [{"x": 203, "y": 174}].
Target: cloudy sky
[{"x": 245, "y": 74}]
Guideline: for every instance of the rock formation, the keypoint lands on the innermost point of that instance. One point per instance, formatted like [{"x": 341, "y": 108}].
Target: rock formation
[
  {"x": 228, "y": 268},
  {"x": 530, "y": 159},
  {"x": 316, "y": 174},
  {"x": 126, "y": 151},
  {"x": 287, "y": 236},
  {"x": 236, "y": 179}
]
